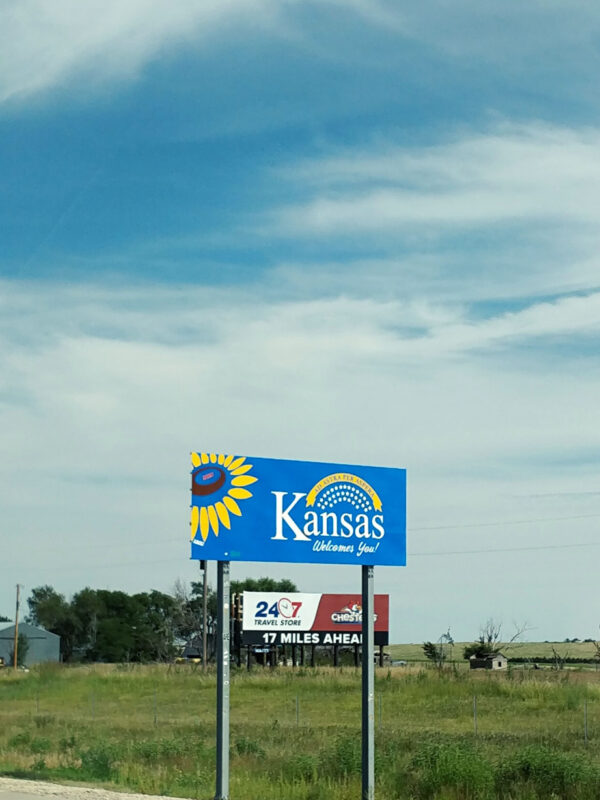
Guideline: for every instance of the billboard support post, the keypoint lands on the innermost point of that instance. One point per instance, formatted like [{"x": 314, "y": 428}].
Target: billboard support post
[
  {"x": 368, "y": 684},
  {"x": 223, "y": 656}
]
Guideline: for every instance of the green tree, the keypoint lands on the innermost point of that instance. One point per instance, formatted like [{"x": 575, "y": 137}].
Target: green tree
[
  {"x": 490, "y": 640},
  {"x": 439, "y": 651},
  {"x": 114, "y": 626},
  {"x": 117, "y": 622},
  {"x": 154, "y": 635},
  {"x": 479, "y": 649},
  {"x": 263, "y": 585},
  {"x": 86, "y": 608},
  {"x": 433, "y": 652},
  {"x": 46, "y": 607},
  {"x": 4, "y": 619},
  {"x": 194, "y": 616},
  {"x": 50, "y": 610}
]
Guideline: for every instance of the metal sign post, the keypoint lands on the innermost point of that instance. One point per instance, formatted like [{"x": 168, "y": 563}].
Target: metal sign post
[
  {"x": 223, "y": 655},
  {"x": 204, "y": 568},
  {"x": 368, "y": 684}
]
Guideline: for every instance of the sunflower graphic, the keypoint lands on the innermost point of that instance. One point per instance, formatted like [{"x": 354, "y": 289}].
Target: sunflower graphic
[{"x": 218, "y": 482}]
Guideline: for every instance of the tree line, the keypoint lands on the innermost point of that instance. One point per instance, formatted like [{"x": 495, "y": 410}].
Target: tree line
[{"x": 113, "y": 626}]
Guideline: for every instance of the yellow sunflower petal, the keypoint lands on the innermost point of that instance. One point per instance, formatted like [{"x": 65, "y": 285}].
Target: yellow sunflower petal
[
  {"x": 221, "y": 458},
  {"x": 223, "y": 514},
  {"x": 228, "y": 461},
  {"x": 244, "y": 480},
  {"x": 240, "y": 494},
  {"x": 237, "y": 463},
  {"x": 195, "y": 459},
  {"x": 213, "y": 458},
  {"x": 195, "y": 521},
  {"x": 232, "y": 506},
  {"x": 213, "y": 519},
  {"x": 204, "y": 458},
  {"x": 203, "y": 522},
  {"x": 242, "y": 470}
]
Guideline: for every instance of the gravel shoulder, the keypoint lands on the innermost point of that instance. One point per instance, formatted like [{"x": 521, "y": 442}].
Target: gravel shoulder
[{"x": 14, "y": 789}]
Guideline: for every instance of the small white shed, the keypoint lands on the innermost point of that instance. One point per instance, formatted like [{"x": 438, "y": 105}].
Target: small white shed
[{"x": 492, "y": 661}]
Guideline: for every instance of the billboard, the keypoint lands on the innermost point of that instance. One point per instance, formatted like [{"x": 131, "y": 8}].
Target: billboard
[
  {"x": 309, "y": 618},
  {"x": 264, "y": 509}
]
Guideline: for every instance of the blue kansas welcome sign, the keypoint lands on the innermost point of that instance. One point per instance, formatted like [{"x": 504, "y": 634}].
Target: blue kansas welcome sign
[{"x": 264, "y": 509}]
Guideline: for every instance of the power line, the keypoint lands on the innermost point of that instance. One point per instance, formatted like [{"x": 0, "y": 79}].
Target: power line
[
  {"x": 481, "y": 551},
  {"x": 456, "y": 526},
  {"x": 506, "y": 549},
  {"x": 459, "y": 526},
  {"x": 507, "y": 523}
]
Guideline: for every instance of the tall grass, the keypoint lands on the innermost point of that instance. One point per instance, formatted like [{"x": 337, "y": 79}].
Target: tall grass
[{"x": 152, "y": 729}]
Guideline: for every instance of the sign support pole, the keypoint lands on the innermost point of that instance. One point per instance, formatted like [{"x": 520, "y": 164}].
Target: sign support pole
[
  {"x": 204, "y": 614},
  {"x": 368, "y": 684},
  {"x": 223, "y": 656}
]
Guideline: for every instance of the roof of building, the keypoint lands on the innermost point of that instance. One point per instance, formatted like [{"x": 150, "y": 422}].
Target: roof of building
[
  {"x": 26, "y": 627},
  {"x": 489, "y": 656}
]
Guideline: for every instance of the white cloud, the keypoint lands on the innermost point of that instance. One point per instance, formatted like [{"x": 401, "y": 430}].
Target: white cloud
[
  {"x": 533, "y": 173},
  {"x": 567, "y": 317},
  {"x": 47, "y": 44},
  {"x": 43, "y": 44},
  {"x": 96, "y": 371},
  {"x": 506, "y": 214}
]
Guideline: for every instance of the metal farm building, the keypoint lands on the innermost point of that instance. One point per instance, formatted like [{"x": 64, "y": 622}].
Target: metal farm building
[{"x": 43, "y": 645}]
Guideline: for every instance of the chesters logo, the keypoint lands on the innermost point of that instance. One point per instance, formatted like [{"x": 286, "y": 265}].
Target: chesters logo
[
  {"x": 351, "y": 614},
  {"x": 218, "y": 483}
]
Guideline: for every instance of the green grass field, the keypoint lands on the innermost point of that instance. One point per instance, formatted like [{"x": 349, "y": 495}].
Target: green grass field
[{"x": 151, "y": 729}]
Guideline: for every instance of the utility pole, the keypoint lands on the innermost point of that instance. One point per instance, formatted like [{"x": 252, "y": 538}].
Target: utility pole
[{"x": 16, "y": 643}]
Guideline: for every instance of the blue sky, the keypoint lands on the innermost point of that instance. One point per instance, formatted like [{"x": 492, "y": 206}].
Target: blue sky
[{"x": 363, "y": 232}]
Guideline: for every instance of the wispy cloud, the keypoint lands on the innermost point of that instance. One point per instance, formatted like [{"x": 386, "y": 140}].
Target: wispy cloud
[
  {"x": 515, "y": 174},
  {"x": 564, "y": 318},
  {"x": 42, "y": 44}
]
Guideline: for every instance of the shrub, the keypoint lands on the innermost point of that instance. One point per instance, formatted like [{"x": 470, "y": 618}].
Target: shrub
[
  {"x": 342, "y": 758},
  {"x": 40, "y": 745},
  {"x": 43, "y": 720},
  {"x": 67, "y": 743},
  {"x": 98, "y": 762},
  {"x": 549, "y": 773},
  {"x": 19, "y": 740},
  {"x": 440, "y": 766},
  {"x": 247, "y": 746}
]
